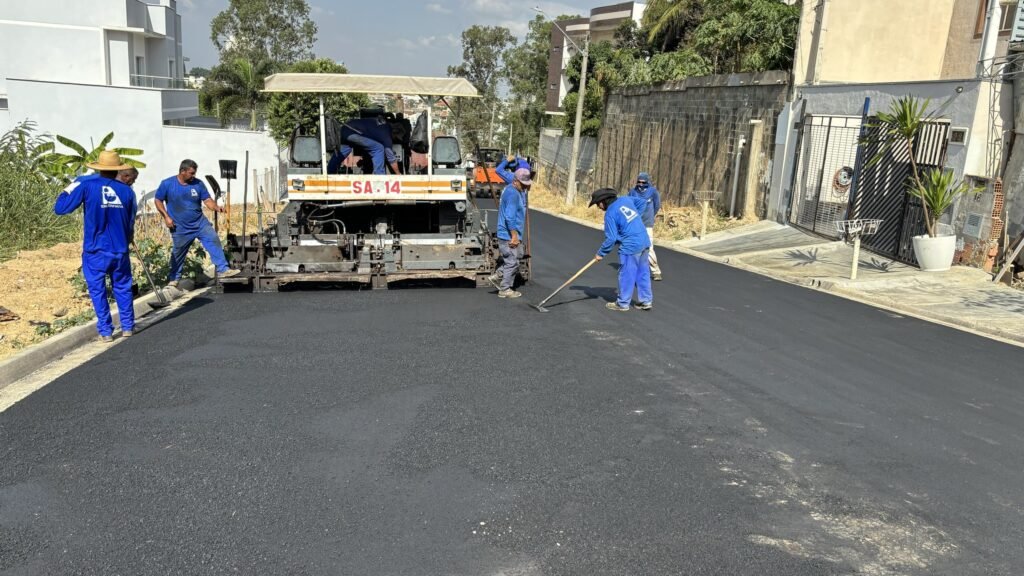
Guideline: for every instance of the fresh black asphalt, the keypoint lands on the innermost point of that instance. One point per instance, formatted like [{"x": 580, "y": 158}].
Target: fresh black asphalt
[{"x": 745, "y": 426}]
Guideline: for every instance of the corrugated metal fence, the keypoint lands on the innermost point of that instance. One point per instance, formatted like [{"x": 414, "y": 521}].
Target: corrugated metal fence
[{"x": 555, "y": 156}]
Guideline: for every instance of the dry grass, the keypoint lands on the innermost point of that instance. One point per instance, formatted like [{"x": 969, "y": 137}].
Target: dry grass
[{"x": 673, "y": 223}]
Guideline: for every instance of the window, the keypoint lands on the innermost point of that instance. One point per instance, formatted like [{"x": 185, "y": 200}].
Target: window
[
  {"x": 3, "y": 103},
  {"x": 1006, "y": 16},
  {"x": 140, "y": 66},
  {"x": 170, "y": 69}
]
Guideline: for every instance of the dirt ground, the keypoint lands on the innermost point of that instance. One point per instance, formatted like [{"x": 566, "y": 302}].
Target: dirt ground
[
  {"x": 673, "y": 223},
  {"x": 36, "y": 286}
]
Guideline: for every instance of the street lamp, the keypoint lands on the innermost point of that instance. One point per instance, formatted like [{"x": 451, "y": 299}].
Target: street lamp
[{"x": 571, "y": 188}]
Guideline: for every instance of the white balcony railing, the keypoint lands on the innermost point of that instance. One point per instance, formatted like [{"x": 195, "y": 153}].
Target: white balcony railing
[{"x": 164, "y": 82}]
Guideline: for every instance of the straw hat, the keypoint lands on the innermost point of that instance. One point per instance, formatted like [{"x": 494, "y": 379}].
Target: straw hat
[{"x": 108, "y": 161}]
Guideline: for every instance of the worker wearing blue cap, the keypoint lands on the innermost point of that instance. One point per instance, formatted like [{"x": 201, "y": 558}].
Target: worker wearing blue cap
[{"x": 644, "y": 189}]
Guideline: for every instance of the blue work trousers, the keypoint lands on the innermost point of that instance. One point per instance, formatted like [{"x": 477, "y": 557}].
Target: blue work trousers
[
  {"x": 635, "y": 272},
  {"x": 96, "y": 267},
  {"x": 374, "y": 148},
  {"x": 183, "y": 241}
]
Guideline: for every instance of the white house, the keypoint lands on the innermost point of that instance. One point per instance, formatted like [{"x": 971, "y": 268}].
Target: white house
[{"x": 84, "y": 69}]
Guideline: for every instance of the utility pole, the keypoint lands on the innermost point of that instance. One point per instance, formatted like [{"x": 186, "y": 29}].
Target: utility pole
[
  {"x": 570, "y": 191},
  {"x": 509, "y": 137},
  {"x": 490, "y": 134}
]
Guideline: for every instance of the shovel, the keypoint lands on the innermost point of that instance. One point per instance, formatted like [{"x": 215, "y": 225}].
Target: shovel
[
  {"x": 161, "y": 302},
  {"x": 540, "y": 307}
]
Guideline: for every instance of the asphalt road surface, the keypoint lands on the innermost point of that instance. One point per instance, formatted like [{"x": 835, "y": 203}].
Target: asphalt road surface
[{"x": 744, "y": 426}]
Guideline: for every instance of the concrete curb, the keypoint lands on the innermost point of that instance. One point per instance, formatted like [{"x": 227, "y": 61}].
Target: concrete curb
[
  {"x": 837, "y": 288},
  {"x": 35, "y": 357}
]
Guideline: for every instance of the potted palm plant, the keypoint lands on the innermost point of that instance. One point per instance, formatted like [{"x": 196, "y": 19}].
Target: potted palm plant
[{"x": 937, "y": 188}]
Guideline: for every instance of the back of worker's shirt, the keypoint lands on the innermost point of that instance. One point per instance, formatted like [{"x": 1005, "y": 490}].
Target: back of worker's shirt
[
  {"x": 623, "y": 225},
  {"x": 184, "y": 203},
  {"x": 109, "y": 212},
  {"x": 372, "y": 128}
]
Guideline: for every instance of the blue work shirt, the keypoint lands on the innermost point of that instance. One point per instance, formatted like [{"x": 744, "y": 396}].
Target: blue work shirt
[
  {"x": 653, "y": 198},
  {"x": 511, "y": 213},
  {"x": 184, "y": 203},
  {"x": 109, "y": 209},
  {"x": 624, "y": 226},
  {"x": 372, "y": 128}
]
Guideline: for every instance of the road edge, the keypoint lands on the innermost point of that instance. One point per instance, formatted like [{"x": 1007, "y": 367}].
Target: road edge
[
  {"x": 830, "y": 287},
  {"x": 38, "y": 356}
]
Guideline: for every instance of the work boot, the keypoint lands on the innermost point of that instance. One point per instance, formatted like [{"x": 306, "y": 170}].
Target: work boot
[
  {"x": 494, "y": 280},
  {"x": 509, "y": 293},
  {"x": 172, "y": 284},
  {"x": 127, "y": 334},
  {"x": 643, "y": 306},
  {"x": 615, "y": 306},
  {"x": 106, "y": 339},
  {"x": 230, "y": 272}
]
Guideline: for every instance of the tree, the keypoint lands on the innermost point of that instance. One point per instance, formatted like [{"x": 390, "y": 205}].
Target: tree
[
  {"x": 236, "y": 89},
  {"x": 287, "y": 110},
  {"x": 276, "y": 30},
  {"x": 199, "y": 72},
  {"x": 747, "y": 35},
  {"x": 483, "y": 48},
  {"x": 526, "y": 67},
  {"x": 731, "y": 35},
  {"x": 668, "y": 23}
]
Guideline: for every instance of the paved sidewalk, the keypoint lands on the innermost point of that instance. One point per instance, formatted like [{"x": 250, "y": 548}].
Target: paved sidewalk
[{"x": 962, "y": 297}]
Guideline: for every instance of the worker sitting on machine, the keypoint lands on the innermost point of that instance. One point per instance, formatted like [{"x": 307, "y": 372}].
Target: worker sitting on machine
[{"x": 371, "y": 134}]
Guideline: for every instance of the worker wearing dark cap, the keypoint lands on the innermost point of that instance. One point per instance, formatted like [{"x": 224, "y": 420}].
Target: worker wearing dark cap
[{"x": 624, "y": 225}]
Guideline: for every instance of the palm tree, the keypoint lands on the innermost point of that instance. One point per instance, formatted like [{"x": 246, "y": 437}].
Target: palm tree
[
  {"x": 237, "y": 89},
  {"x": 670, "y": 20}
]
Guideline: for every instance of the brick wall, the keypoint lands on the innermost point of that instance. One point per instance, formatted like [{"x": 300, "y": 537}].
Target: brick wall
[{"x": 685, "y": 134}]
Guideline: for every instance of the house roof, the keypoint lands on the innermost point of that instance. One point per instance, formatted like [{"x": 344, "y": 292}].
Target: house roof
[{"x": 369, "y": 84}]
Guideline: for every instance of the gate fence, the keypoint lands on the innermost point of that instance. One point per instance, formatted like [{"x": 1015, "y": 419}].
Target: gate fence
[{"x": 827, "y": 159}]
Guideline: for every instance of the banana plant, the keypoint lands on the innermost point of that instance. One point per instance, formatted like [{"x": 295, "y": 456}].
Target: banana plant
[{"x": 67, "y": 166}]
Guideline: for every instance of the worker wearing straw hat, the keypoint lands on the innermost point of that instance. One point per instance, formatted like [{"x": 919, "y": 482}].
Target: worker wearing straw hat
[{"x": 109, "y": 227}]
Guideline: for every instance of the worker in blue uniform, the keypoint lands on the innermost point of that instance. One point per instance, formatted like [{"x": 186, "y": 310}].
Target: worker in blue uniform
[
  {"x": 371, "y": 134},
  {"x": 623, "y": 225},
  {"x": 506, "y": 169},
  {"x": 511, "y": 223},
  {"x": 180, "y": 200},
  {"x": 109, "y": 228},
  {"x": 646, "y": 190}
]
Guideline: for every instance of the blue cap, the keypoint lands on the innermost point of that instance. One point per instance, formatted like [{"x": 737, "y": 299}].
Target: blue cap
[{"x": 645, "y": 177}]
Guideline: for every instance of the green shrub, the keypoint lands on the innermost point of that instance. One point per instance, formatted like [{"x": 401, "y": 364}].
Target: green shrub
[{"x": 27, "y": 195}]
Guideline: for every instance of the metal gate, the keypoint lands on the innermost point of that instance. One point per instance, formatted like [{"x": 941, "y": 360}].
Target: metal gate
[
  {"x": 882, "y": 190},
  {"x": 828, "y": 154}
]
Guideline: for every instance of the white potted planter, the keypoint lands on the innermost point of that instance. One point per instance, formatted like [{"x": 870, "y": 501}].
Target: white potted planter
[{"x": 934, "y": 254}]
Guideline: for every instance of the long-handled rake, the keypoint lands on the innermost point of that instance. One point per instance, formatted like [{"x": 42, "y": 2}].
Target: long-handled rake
[
  {"x": 540, "y": 307},
  {"x": 161, "y": 301}
]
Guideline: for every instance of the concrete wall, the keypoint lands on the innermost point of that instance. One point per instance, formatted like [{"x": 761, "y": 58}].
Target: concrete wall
[
  {"x": 207, "y": 146},
  {"x": 94, "y": 13},
  {"x": 77, "y": 57},
  {"x": 84, "y": 114},
  {"x": 890, "y": 40},
  {"x": 686, "y": 133},
  {"x": 983, "y": 107}
]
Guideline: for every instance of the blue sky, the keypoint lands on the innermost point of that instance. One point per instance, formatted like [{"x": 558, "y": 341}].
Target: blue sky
[{"x": 400, "y": 37}]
